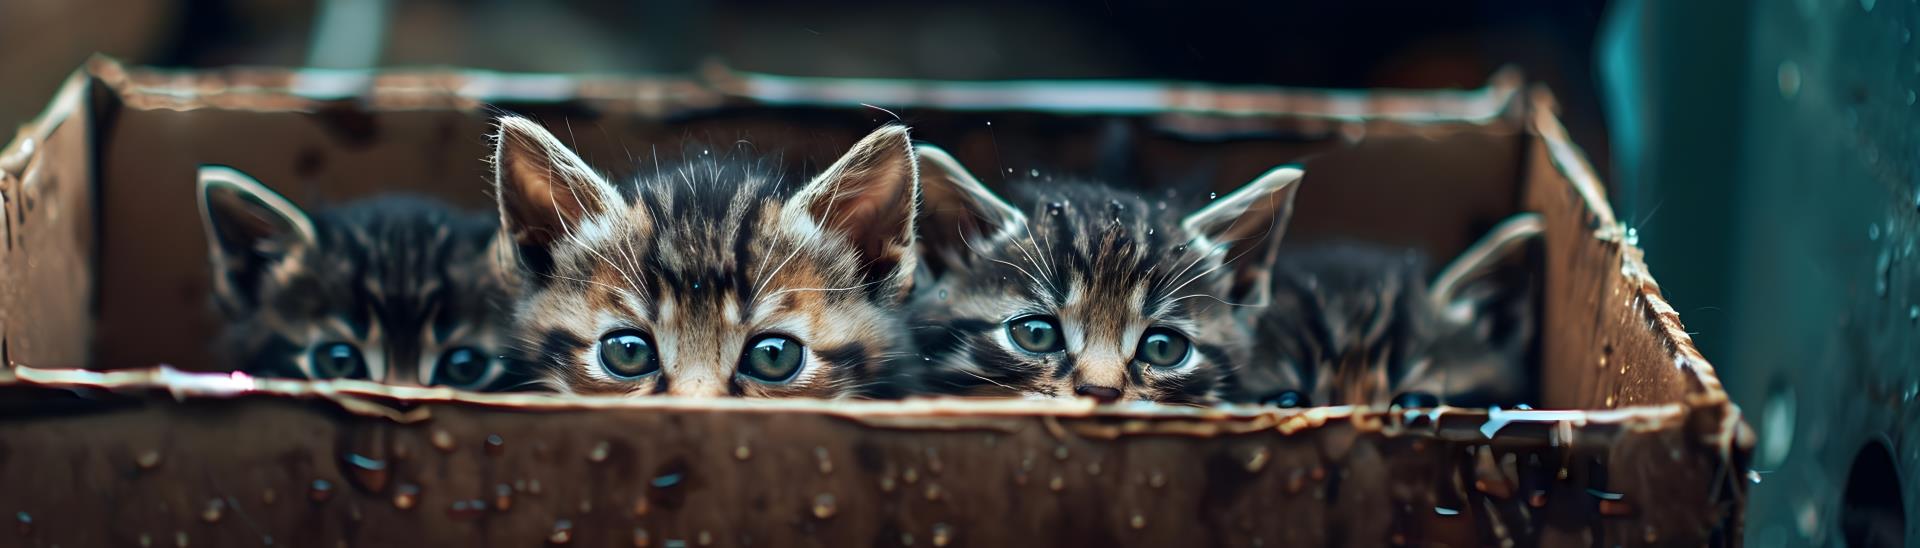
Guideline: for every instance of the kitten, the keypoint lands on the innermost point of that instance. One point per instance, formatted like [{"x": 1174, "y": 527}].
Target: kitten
[
  {"x": 399, "y": 290},
  {"x": 1084, "y": 290},
  {"x": 714, "y": 277},
  {"x": 1357, "y": 324}
]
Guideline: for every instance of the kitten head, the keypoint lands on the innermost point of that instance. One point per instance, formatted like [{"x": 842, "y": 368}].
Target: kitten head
[
  {"x": 1090, "y": 291},
  {"x": 395, "y": 290},
  {"x": 1355, "y": 324},
  {"x": 713, "y": 277}
]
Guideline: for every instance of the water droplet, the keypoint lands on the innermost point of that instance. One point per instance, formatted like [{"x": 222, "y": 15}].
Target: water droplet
[
  {"x": 942, "y": 534},
  {"x": 442, "y": 440},
  {"x": 1213, "y": 195},
  {"x": 664, "y": 481},
  {"x": 320, "y": 491},
  {"x": 640, "y": 538},
  {"x": 826, "y": 460},
  {"x": 696, "y": 285},
  {"x": 910, "y": 476},
  {"x": 1178, "y": 249},
  {"x": 704, "y": 152},
  {"x": 599, "y": 452},
  {"x": 1157, "y": 479},
  {"x": 23, "y": 522},
  {"x": 1883, "y": 269},
  {"x": 1033, "y": 173},
  {"x": 213, "y": 511},
  {"x": 148, "y": 460},
  {"x": 1057, "y": 484},
  {"x": 1445, "y": 511},
  {"x": 1055, "y": 208},
  {"x": 496, "y": 445},
  {"x": 369, "y": 473},
  {"x": 1137, "y": 521},
  {"x": 1633, "y": 236},
  {"x": 1913, "y": 312},
  {"x": 1873, "y": 232},
  {"x": 823, "y": 506},
  {"x": 742, "y": 452},
  {"x": 989, "y": 122},
  {"x": 1753, "y": 476},
  {"x": 1258, "y": 460},
  {"x": 1060, "y": 453},
  {"x": 933, "y": 491},
  {"x": 562, "y": 532},
  {"x": 502, "y": 497},
  {"x": 466, "y": 509},
  {"x": 405, "y": 496}
]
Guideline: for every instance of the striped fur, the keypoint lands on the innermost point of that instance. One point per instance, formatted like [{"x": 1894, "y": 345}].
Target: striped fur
[
  {"x": 705, "y": 257},
  {"x": 1358, "y": 324},
  {"x": 404, "y": 280},
  {"x": 1108, "y": 265}
]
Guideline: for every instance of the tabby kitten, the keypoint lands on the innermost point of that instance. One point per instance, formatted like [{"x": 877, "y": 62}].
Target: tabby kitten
[
  {"x": 713, "y": 277},
  {"x": 399, "y": 290},
  {"x": 1357, "y": 324},
  {"x": 1083, "y": 290}
]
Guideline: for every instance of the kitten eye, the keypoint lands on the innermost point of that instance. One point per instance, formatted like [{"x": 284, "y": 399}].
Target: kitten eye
[
  {"x": 338, "y": 361},
  {"x": 773, "y": 358},
  {"x": 464, "y": 368},
  {"x": 1287, "y": 399},
  {"x": 1163, "y": 348},
  {"x": 1415, "y": 400},
  {"x": 1037, "y": 334},
  {"x": 627, "y": 355}
]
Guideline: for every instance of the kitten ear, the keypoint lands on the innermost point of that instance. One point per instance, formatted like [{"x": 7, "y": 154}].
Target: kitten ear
[
  {"x": 248, "y": 227},
  {"x": 957, "y": 209},
  {"x": 869, "y": 196},
  {"x": 545, "y": 190},
  {"x": 1489, "y": 287},
  {"x": 1249, "y": 222}
]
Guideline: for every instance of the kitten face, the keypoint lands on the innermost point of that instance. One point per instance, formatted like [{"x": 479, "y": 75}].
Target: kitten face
[
  {"x": 713, "y": 278},
  {"x": 1089, "y": 291},
  {"x": 1359, "y": 325},
  {"x": 395, "y": 290}
]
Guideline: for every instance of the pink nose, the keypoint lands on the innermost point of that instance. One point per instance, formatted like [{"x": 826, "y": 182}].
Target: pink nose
[{"x": 1104, "y": 394}]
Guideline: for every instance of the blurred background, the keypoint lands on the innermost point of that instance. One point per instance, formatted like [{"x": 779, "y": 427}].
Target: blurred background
[{"x": 1763, "y": 153}]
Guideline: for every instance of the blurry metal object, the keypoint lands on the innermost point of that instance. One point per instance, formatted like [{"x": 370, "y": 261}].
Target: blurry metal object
[
  {"x": 349, "y": 34},
  {"x": 1644, "y": 448}
]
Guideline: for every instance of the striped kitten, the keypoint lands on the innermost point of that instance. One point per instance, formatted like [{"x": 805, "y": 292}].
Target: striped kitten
[
  {"x": 1356, "y": 324},
  {"x": 711, "y": 278},
  {"x": 398, "y": 290},
  {"x": 1084, "y": 290}
]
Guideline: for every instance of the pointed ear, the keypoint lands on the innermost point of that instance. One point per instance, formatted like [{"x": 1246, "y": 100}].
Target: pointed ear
[
  {"x": 248, "y": 227},
  {"x": 1490, "y": 286},
  {"x": 545, "y": 190},
  {"x": 1249, "y": 223},
  {"x": 957, "y": 210},
  {"x": 868, "y": 196}
]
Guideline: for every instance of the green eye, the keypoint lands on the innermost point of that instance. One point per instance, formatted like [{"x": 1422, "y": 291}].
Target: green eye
[
  {"x": 627, "y": 355},
  {"x": 1037, "y": 334},
  {"x": 464, "y": 368},
  {"x": 773, "y": 358},
  {"x": 338, "y": 361},
  {"x": 1163, "y": 348}
]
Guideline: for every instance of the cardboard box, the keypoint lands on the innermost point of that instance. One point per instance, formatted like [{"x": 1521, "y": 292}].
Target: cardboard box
[{"x": 104, "y": 268}]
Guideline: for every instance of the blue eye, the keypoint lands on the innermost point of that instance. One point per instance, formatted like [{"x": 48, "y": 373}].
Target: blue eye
[
  {"x": 338, "y": 360},
  {"x": 773, "y": 358},
  {"x": 464, "y": 368},
  {"x": 1163, "y": 347},
  {"x": 627, "y": 354},
  {"x": 1037, "y": 334},
  {"x": 1288, "y": 399}
]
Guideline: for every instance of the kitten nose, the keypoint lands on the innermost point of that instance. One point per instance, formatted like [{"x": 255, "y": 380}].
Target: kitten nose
[{"x": 1104, "y": 394}]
